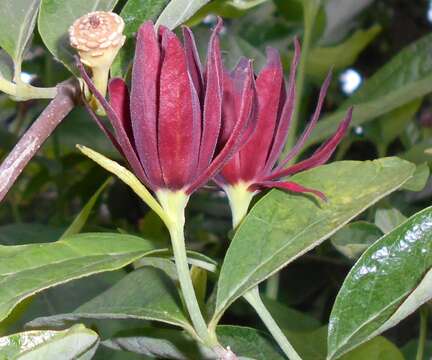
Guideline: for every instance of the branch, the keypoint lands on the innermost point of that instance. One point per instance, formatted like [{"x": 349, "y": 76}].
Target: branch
[{"x": 12, "y": 166}]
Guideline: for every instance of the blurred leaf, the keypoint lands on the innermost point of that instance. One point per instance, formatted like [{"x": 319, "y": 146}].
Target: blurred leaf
[
  {"x": 81, "y": 219},
  {"x": 283, "y": 226},
  {"x": 17, "y": 22},
  {"x": 29, "y": 269},
  {"x": 135, "y": 12},
  {"x": 290, "y": 319},
  {"x": 236, "y": 47},
  {"x": 321, "y": 59},
  {"x": 339, "y": 17},
  {"x": 24, "y": 233},
  {"x": 420, "y": 178},
  {"x": 199, "y": 280},
  {"x": 55, "y": 18},
  {"x": 410, "y": 350},
  {"x": 388, "y": 219},
  {"x": 6, "y": 65},
  {"x": 391, "y": 125},
  {"x": 246, "y": 343},
  {"x": 354, "y": 238},
  {"x": 379, "y": 348},
  {"x": 408, "y": 76},
  {"x": 144, "y": 294},
  {"x": 78, "y": 342},
  {"x": 418, "y": 153},
  {"x": 389, "y": 282},
  {"x": 179, "y": 11}
]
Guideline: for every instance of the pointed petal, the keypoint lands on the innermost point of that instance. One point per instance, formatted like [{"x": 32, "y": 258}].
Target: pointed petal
[
  {"x": 289, "y": 186},
  {"x": 321, "y": 155},
  {"x": 286, "y": 113},
  {"x": 103, "y": 127},
  {"x": 234, "y": 142},
  {"x": 212, "y": 115},
  {"x": 144, "y": 100},
  {"x": 269, "y": 85},
  {"x": 306, "y": 133},
  {"x": 193, "y": 60},
  {"x": 118, "y": 93},
  {"x": 120, "y": 133},
  {"x": 179, "y": 116}
]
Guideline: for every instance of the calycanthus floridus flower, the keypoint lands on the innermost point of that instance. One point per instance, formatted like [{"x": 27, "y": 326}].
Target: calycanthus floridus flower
[
  {"x": 168, "y": 127},
  {"x": 256, "y": 167}
]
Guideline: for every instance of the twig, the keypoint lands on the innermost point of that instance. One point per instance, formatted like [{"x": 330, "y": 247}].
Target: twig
[{"x": 12, "y": 166}]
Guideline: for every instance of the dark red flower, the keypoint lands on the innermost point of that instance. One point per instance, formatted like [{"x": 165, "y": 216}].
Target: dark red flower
[
  {"x": 169, "y": 125},
  {"x": 256, "y": 164}
]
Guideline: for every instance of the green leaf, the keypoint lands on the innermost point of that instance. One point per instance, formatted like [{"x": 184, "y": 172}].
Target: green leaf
[
  {"x": 407, "y": 77},
  {"x": 378, "y": 348},
  {"x": 55, "y": 18},
  {"x": 410, "y": 350},
  {"x": 389, "y": 282},
  {"x": 77, "y": 342},
  {"x": 135, "y": 12},
  {"x": 247, "y": 343},
  {"x": 29, "y": 269},
  {"x": 356, "y": 237},
  {"x": 179, "y": 11},
  {"x": 419, "y": 180},
  {"x": 17, "y": 22},
  {"x": 6, "y": 66},
  {"x": 282, "y": 226},
  {"x": 290, "y": 319},
  {"x": 388, "y": 219},
  {"x": 84, "y": 214},
  {"x": 145, "y": 294},
  {"x": 321, "y": 59},
  {"x": 19, "y": 234}
]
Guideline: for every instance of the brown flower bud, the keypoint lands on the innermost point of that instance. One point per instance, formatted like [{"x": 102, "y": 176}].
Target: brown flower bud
[{"x": 97, "y": 36}]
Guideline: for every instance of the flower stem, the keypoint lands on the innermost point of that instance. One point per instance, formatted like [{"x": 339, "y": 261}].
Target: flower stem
[
  {"x": 254, "y": 299},
  {"x": 174, "y": 203},
  {"x": 424, "y": 315},
  {"x": 240, "y": 198}
]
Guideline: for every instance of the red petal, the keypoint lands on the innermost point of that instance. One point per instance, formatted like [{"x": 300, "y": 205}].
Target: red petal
[
  {"x": 321, "y": 155},
  {"x": 289, "y": 186},
  {"x": 286, "y": 114},
  {"x": 120, "y": 132},
  {"x": 193, "y": 60},
  {"x": 306, "y": 133},
  {"x": 144, "y": 100},
  {"x": 247, "y": 103},
  {"x": 179, "y": 116},
  {"x": 269, "y": 91},
  {"x": 212, "y": 102}
]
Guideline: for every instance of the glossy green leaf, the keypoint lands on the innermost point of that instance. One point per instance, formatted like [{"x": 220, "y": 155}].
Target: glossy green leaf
[
  {"x": 17, "y": 22},
  {"x": 407, "y": 77},
  {"x": 81, "y": 219},
  {"x": 179, "y": 11},
  {"x": 356, "y": 237},
  {"x": 78, "y": 342},
  {"x": 282, "y": 226},
  {"x": 389, "y": 281},
  {"x": 135, "y": 12},
  {"x": 29, "y": 269},
  {"x": 247, "y": 343},
  {"x": 145, "y": 294},
  {"x": 55, "y": 18},
  {"x": 388, "y": 219},
  {"x": 420, "y": 178}
]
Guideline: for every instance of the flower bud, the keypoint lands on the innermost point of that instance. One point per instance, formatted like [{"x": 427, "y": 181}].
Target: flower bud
[{"x": 98, "y": 36}]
